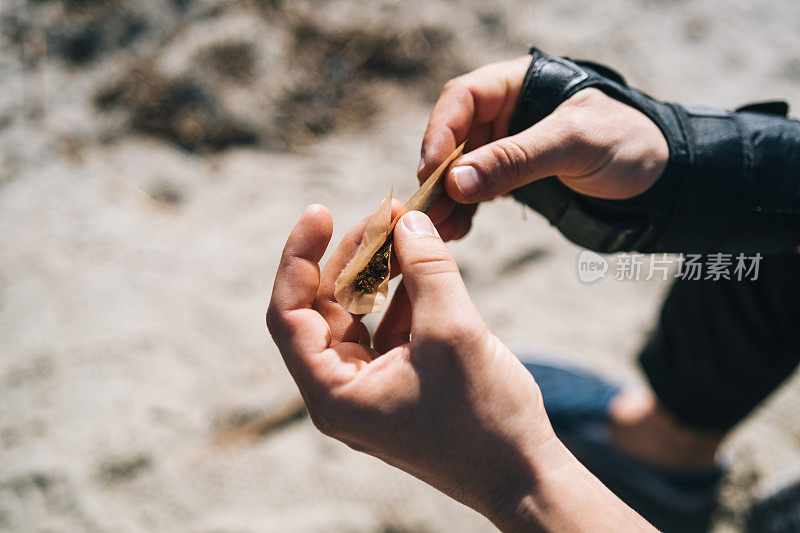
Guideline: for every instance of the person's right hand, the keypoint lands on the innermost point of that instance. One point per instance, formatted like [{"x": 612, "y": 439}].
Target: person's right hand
[
  {"x": 596, "y": 145},
  {"x": 438, "y": 396},
  {"x": 435, "y": 393}
]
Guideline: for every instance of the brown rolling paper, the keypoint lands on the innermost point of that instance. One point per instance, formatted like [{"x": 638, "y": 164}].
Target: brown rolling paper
[{"x": 362, "y": 286}]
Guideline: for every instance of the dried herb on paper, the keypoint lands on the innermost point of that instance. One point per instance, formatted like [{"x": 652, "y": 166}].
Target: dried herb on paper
[
  {"x": 376, "y": 270},
  {"x": 362, "y": 286}
]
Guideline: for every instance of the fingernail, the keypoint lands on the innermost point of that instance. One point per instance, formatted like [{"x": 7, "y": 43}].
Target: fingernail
[
  {"x": 421, "y": 164},
  {"x": 467, "y": 180},
  {"x": 418, "y": 223}
]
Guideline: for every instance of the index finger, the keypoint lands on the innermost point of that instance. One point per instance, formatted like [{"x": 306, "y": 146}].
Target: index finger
[
  {"x": 299, "y": 331},
  {"x": 485, "y": 96},
  {"x": 302, "y": 334}
]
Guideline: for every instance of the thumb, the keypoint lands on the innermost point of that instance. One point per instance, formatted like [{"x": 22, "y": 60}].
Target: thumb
[
  {"x": 439, "y": 300},
  {"x": 547, "y": 148}
]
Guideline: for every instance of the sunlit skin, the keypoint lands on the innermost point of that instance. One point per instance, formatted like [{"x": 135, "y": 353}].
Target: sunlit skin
[
  {"x": 596, "y": 145},
  {"x": 434, "y": 393}
]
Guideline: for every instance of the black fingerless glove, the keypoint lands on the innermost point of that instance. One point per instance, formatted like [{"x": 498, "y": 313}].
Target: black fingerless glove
[{"x": 732, "y": 182}]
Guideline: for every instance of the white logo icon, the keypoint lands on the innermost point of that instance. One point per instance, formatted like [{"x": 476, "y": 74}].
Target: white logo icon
[{"x": 591, "y": 266}]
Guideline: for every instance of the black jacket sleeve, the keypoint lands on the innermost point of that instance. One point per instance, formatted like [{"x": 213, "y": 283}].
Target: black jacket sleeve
[{"x": 732, "y": 183}]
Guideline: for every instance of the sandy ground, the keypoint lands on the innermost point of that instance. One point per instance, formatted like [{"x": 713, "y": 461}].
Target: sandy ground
[{"x": 156, "y": 154}]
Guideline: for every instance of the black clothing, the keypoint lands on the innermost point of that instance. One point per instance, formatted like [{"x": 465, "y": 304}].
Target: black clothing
[
  {"x": 732, "y": 183},
  {"x": 722, "y": 346}
]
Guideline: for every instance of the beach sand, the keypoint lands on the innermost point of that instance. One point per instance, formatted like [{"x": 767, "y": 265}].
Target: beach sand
[{"x": 155, "y": 156}]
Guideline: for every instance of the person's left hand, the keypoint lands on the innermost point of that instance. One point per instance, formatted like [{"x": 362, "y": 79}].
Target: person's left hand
[
  {"x": 475, "y": 107},
  {"x": 596, "y": 145}
]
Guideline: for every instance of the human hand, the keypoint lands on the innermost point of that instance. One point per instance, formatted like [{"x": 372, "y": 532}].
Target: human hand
[
  {"x": 596, "y": 145},
  {"x": 452, "y": 405},
  {"x": 438, "y": 396}
]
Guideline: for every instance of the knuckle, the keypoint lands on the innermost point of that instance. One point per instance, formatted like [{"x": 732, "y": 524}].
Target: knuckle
[
  {"x": 581, "y": 116},
  {"x": 433, "y": 262},
  {"x": 509, "y": 155},
  {"x": 574, "y": 125},
  {"x": 454, "y": 84},
  {"x": 466, "y": 226},
  {"x": 462, "y": 226},
  {"x": 586, "y": 97},
  {"x": 462, "y": 229}
]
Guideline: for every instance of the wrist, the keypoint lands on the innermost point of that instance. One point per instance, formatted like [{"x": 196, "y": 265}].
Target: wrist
[
  {"x": 520, "y": 505},
  {"x": 557, "y": 493}
]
